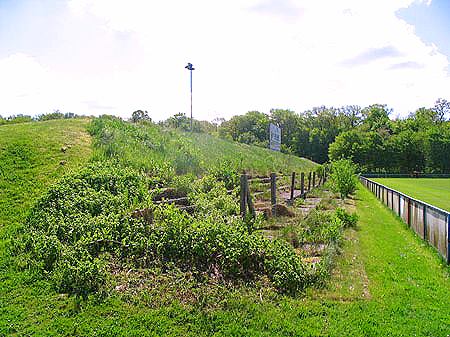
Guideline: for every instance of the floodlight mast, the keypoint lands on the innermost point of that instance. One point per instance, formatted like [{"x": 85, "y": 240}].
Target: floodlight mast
[{"x": 190, "y": 68}]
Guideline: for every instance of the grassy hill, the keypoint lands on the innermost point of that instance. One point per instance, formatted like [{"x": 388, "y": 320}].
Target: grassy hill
[
  {"x": 149, "y": 147},
  {"x": 386, "y": 281}
]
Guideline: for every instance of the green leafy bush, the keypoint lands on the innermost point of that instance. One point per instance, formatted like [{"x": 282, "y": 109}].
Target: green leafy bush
[
  {"x": 343, "y": 178},
  {"x": 349, "y": 220},
  {"x": 86, "y": 221}
]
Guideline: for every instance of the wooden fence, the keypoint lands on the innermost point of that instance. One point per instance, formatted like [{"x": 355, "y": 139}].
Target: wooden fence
[
  {"x": 431, "y": 223},
  {"x": 298, "y": 187}
]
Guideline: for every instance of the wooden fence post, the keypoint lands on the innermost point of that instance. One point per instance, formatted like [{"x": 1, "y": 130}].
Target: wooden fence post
[
  {"x": 243, "y": 195},
  {"x": 392, "y": 200},
  {"x": 273, "y": 192},
  {"x": 409, "y": 213},
  {"x": 424, "y": 222},
  {"x": 309, "y": 181},
  {"x": 292, "y": 186},
  {"x": 448, "y": 238},
  {"x": 314, "y": 179},
  {"x": 251, "y": 208},
  {"x": 302, "y": 184}
]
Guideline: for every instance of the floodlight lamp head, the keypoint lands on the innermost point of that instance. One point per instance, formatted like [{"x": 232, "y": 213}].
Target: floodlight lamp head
[{"x": 189, "y": 66}]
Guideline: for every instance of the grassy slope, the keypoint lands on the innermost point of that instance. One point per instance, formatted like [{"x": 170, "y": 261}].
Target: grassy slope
[
  {"x": 433, "y": 191},
  {"x": 387, "y": 282},
  {"x": 257, "y": 159},
  {"x": 146, "y": 146}
]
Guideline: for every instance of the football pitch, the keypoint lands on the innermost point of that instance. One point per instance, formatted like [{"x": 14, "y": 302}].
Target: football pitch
[{"x": 434, "y": 191}]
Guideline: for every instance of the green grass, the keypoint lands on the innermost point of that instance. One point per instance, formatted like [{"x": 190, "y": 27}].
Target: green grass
[
  {"x": 152, "y": 148},
  {"x": 255, "y": 159},
  {"x": 387, "y": 282},
  {"x": 430, "y": 190}
]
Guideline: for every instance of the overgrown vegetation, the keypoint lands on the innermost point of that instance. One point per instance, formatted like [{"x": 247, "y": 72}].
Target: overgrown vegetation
[
  {"x": 386, "y": 280},
  {"x": 343, "y": 178},
  {"x": 104, "y": 216}
]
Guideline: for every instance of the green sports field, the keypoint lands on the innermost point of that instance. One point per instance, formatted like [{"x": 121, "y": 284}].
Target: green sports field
[{"x": 431, "y": 190}]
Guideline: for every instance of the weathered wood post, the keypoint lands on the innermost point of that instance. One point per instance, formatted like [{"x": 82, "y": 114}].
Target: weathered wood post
[
  {"x": 314, "y": 179},
  {"x": 302, "y": 184},
  {"x": 243, "y": 195},
  {"x": 309, "y": 181},
  {"x": 292, "y": 186},
  {"x": 448, "y": 238},
  {"x": 409, "y": 213},
  {"x": 273, "y": 192},
  {"x": 424, "y": 222},
  {"x": 251, "y": 208}
]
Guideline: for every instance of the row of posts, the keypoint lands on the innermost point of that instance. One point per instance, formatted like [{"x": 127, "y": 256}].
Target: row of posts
[{"x": 246, "y": 199}]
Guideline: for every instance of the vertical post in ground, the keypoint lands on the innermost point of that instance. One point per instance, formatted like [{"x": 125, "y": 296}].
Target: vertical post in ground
[
  {"x": 302, "y": 184},
  {"x": 243, "y": 195},
  {"x": 292, "y": 186},
  {"x": 314, "y": 179},
  {"x": 251, "y": 208},
  {"x": 425, "y": 222},
  {"x": 392, "y": 199},
  {"x": 309, "y": 181},
  {"x": 448, "y": 238},
  {"x": 408, "y": 218},
  {"x": 273, "y": 191}
]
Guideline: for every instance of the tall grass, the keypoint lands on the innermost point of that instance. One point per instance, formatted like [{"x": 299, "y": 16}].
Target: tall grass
[{"x": 167, "y": 152}]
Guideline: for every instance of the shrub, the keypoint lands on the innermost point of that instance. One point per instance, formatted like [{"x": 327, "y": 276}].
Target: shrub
[
  {"x": 343, "y": 177},
  {"x": 86, "y": 219},
  {"x": 349, "y": 220}
]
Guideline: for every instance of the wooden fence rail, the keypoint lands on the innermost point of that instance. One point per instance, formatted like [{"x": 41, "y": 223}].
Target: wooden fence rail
[{"x": 246, "y": 202}]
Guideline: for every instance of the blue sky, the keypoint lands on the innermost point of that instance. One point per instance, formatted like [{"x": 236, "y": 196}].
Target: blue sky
[
  {"x": 431, "y": 23},
  {"x": 116, "y": 56}
]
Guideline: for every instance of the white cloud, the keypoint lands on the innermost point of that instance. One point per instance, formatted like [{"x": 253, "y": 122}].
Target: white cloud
[{"x": 248, "y": 55}]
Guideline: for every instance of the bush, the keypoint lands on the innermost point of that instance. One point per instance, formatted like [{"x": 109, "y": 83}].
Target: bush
[
  {"x": 86, "y": 219},
  {"x": 349, "y": 220},
  {"x": 343, "y": 178}
]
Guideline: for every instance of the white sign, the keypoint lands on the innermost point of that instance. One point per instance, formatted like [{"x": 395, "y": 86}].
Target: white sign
[{"x": 274, "y": 137}]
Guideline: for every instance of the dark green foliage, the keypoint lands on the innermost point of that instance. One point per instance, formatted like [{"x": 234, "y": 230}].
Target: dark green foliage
[
  {"x": 85, "y": 222},
  {"x": 140, "y": 116}
]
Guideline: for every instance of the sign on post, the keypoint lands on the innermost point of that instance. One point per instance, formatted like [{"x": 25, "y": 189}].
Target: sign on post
[{"x": 274, "y": 137}]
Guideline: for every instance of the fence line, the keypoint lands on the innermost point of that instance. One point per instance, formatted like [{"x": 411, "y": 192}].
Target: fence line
[
  {"x": 431, "y": 223},
  {"x": 405, "y": 175},
  {"x": 246, "y": 201}
]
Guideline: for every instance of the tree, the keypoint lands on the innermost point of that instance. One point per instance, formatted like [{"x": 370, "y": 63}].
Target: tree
[
  {"x": 438, "y": 149},
  {"x": 139, "y": 116},
  {"x": 343, "y": 177},
  {"x": 442, "y": 109}
]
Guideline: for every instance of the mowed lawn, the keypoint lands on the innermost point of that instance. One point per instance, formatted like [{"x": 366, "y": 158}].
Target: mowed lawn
[{"x": 434, "y": 191}]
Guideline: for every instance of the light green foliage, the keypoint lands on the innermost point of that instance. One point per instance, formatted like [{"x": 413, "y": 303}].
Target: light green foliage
[
  {"x": 343, "y": 178},
  {"x": 349, "y": 220},
  {"x": 164, "y": 153}
]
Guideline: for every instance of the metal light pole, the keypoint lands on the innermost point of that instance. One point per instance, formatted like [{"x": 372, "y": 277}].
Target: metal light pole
[{"x": 190, "y": 68}]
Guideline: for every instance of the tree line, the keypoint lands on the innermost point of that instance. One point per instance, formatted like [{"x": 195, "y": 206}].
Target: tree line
[{"x": 367, "y": 136}]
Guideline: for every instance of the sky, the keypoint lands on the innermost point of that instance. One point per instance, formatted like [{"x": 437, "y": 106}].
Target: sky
[{"x": 113, "y": 56}]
